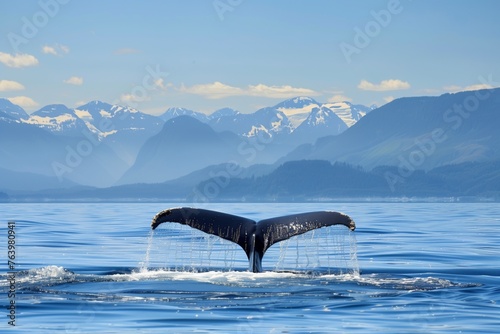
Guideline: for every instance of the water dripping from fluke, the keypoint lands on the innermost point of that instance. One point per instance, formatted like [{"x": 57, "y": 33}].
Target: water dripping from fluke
[
  {"x": 318, "y": 237},
  {"x": 144, "y": 265}
]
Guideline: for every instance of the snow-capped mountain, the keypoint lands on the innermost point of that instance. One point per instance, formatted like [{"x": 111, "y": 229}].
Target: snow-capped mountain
[
  {"x": 176, "y": 112},
  {"x": 56, "y": 151},
  {"x": 393, "y": 134},
  {"x": 268, "y": 121},
  {"x": 298, "y": 110},
  {"x": 224, "y": 112},
  {"x": 58, "y": 119},
  {"x": 101, "y": 119},
  {"x": 124, "y": 129},
  {"x": 98, "y": 116},
  {"x": 321, "y": 122},
  {"x": 12, "y": 109},
  {"x": 348, "y": 112},
  {"x": 284, "y": 118},
  {"x": 106, "y": 119},
  {"x": 96, "y": 143},
  {"x": 324, "y": 117}
]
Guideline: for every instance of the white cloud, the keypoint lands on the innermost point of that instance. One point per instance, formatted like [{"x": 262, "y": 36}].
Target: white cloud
[
  {"x": 77, "y": 81},
  {"x": 339, "y": 98},
  {"x": 218, "y": 90},
  {"x": 55, "y": 50},
  {"x": 131, "y": 98},
  {"x": 160, "y": 84},
  {"x": 455, "y": 88},
  {"x": 384, "y": 85},
  {"x": 279, "y": 91},
  {"x": 48, "y": 49},
  {"x": 18, "y": 60},
  {"x": 6, "y": 85},
  {"x": 23, "y": 101}
]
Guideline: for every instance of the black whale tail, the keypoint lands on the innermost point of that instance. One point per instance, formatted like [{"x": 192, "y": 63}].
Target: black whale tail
[{"x": 254, "y": 237}]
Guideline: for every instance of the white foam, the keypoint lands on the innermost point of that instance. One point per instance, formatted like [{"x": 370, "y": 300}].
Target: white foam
[
  {"x": 399, "y": 283},
  {"x": 46, "y": 274},
  {"x": 216, "y": 277},
  {"x": 50, "y": 275}
]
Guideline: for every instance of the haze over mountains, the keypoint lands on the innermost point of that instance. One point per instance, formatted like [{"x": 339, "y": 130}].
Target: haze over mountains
[
  {"x": 430, "y": 131},
  {"x": 97, "y": 143},
  {"x": 103, "y": 145}
]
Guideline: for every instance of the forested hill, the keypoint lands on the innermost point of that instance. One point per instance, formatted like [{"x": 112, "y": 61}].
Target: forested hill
[{"x": 316, "y": 179}]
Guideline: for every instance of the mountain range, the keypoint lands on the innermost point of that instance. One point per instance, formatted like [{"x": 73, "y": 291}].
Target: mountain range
[
  {"x": 299, "y": 148},
  {"x": 417, "y": 133},
  {"x": 100, "y": 144}
]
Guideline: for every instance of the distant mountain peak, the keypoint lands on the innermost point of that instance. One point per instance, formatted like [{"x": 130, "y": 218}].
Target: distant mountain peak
[
  {"x": 267, "y": 111},
  {"x": 297, "y": 109},
  {"x": 303, "y": 99},
  {"x": 321, "y": 122},
  {"x": 12, "y": 110},
  {"x": 57, "y": 118},
  {"x": 179, "y": 111},
  {"x": 296, "y": 102},
  {"x": 96, "y": 104},
  {"x": 53, "y": 110},
  {"x": 224, "y": 112},
  {"x": 95, "y": 110},
  {"x": 348, "y": 112}
]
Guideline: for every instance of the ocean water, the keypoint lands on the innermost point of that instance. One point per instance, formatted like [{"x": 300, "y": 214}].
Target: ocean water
[{"x": 97, "y": 267}]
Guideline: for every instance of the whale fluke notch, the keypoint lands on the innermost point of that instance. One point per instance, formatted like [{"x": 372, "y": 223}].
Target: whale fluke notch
[{"x": 254, "y": 237}]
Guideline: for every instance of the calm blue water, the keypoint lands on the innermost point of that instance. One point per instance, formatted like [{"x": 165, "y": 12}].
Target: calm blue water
[{"x": 423, "y": 268}]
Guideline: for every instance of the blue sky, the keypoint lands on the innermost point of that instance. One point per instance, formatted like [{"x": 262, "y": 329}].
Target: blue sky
[{"x": 246, "y": 54}]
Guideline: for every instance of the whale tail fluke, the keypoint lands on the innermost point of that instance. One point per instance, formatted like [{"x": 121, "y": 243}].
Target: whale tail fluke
[{"x": 253, "y": 237}]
